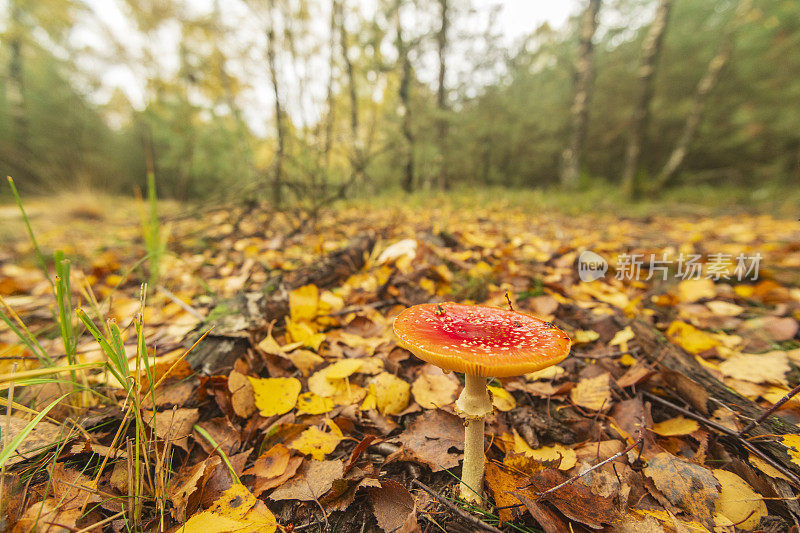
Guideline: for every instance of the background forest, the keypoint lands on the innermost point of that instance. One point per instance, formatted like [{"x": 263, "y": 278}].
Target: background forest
[{"x": 389, "y": 94}]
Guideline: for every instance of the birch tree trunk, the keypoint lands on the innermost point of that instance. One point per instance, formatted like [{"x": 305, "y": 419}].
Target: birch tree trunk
[
  {"x": 584, "y": 76},
  {"x": 651, "y": 49},
  {"x": 358, "y": 156},
  {"x": 277, "y": 178},
  {"x": 404, "y": 92},
  {"x": 704, "y": 88},
  {"x": 441, "y": 97},
  {"x": 329, "y": 120}
]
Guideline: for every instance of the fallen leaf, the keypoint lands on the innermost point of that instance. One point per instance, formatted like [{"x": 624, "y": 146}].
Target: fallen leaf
[
  {"x": 770, "y": 367},
  {"x": 309, "y": 403},
  {"x": 236, "y": 510},
  {"x": 314, "y": 479},
  {"x": 275, "y": 396},
  {"x": 43, "y": 435},
  {"x": 575, "y": 500},
  {"x": 432, "y": 391},
  {"x": 174, "y": 425},
  {"x": 592, "y": 393},
  {"x": 690, "y": 338},
  {"x": 551, "y": 372},
  {"x": 502, "y": 399},
  {"x": 317, "y": 443},
  {"x": 394, "y": 507},
  {"x": 242, "y": 394},
  {"x": 722, "y": 308},
  {"x": 792, "y": 443},
  {"x": 183, "y": 488},
  {"x": 692, "y": 290},
  {"x": 584, "y": 336},
  {"x": 304, "y": 333},
  {"x": 738, "y": 502},
  {"x": 271, "y": 463},
  {"x": 557, "y": 454},
  {"x": 676, "y": 426},
  {"x": 689, "y": 486},
  {"x": 391, "y": 393},
  {"x": 430, "y": 439},
  {"x": 304, "y": 360},
  {"x": 303, "y": 303}
]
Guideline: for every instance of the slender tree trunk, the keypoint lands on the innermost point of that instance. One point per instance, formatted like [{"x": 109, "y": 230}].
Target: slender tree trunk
[
  {"x": 277, "y": 179},
  {"x": 15, "y": 86},
  {"x": 329, "y": 120},
  {"x": 584, "y": 76},
  {"x": 358, "y": 156},
  {"x": 441, "y": 97},
  {"x": 651, "y": 49},
  {"x": 407, "y": 182},
  {"x": 704, "y": 88},
  {"x": 229, "y": 96}
]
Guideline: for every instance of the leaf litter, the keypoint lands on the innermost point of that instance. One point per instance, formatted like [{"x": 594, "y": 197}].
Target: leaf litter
[{"x": 318, "y": 411}]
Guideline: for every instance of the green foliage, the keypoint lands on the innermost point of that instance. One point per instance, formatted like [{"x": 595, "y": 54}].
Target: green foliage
[{"x": 510, "y": 108}]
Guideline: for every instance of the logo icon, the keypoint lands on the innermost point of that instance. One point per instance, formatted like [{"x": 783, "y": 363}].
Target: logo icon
[{"x": 591, "y": 266}]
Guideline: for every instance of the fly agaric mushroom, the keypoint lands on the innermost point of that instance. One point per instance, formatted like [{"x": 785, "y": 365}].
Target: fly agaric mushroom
[{"x": 481, "y": 342}]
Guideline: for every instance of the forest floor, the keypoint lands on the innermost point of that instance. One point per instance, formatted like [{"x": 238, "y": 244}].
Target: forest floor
[{"x": 298, "y": 411}]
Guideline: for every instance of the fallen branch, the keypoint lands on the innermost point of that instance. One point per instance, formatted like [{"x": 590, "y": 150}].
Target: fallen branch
[{"x": 704, "y": 393}]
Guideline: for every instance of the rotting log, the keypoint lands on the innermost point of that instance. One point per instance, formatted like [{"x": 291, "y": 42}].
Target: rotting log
[
  {"x": 705, "y": 394},
  {"x": 234, "y": 320}
]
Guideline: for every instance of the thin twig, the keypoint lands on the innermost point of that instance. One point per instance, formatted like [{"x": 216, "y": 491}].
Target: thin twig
[
  {"x": 769, "y": 411},
  {"x": 186, "y": 307},
  {"x": 638, "y": 442},
  {"x": 460, "y": 512},
  {"x": 729, "y": 432}
]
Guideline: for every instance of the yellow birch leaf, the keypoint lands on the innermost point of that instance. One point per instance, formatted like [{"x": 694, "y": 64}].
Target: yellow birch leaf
[
  {"x": 677, "y": 426},
  {"x": 391, "y": 393},
  {"x": 584, "y": 336},
  {"x": 303, "y": 303},
  {"x": 502, "y": 399},
  {"x": 690, "y": 338},
  {"x": 317, "y": 443},
  {"x": 593, "y": 393},
  {"x": 551, "y": 372},
  {"x": 304, "y": 333},
  {"x": 738, "y": 502},
  {"x": 342, "y": 369},
  {"x": 305, "y": 360},
  {"x": 621, "y": 338},
  {"x": 434, "y": 390},
  {"x": 309, "y": 403},
  {"x": 792, "y": 443},
  {"x": 370, "y": 400},
  {"x": 766, "y": 468},
  {"x": 275, "y": 396},
  {"x": 691, "y": 290},
  {"x": 236, "y": 510},
  {"x": 566, "y": 457}
]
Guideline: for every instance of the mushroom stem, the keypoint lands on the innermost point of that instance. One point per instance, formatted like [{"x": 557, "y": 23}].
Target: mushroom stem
[{"x": 473, "y": 405}]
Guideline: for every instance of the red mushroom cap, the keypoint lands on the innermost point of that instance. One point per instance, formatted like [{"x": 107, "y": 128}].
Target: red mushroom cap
[{"x": 479, "y": 340}]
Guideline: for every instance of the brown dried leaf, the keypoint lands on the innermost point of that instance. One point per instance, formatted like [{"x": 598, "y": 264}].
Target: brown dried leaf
[
  {"x": 430, "y": 438},
  {"x": 576, "y": 501},
  {"x": 689, "y": 486},
  {"x": 314, "y": 479},
  {"x": 394, "y": 507}
]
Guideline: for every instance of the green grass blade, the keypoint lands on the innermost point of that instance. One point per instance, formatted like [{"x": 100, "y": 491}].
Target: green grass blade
[
  {"x": 40, "y": 256},
  {"x": 11, "y": 447}
]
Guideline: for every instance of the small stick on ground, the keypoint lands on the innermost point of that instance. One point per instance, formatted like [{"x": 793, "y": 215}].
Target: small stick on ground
[
  {"x": 540, "y": 495},
  {"x": 793, "y": 479},
  {"x": 461, "y": 513},
  {"x": 749, "y": 427}
]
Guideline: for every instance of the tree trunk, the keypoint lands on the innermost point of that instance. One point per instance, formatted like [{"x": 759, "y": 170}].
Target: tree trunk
[
  {"x": 441, "y": 98},
  {"x": 329, "y": 120},
  {"x": 277, "y": 178},
  {"x": 358, "y": 156},
  {"x": 651, "y": 49},
  {"x": 15, "y": 87},
  {"x": 704, "y": 88},
  {"x": 407, "y": 182},
  {"x": 584, "y": 75}
]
